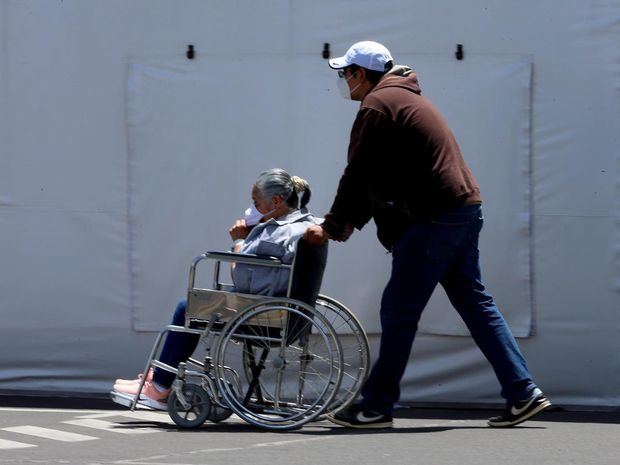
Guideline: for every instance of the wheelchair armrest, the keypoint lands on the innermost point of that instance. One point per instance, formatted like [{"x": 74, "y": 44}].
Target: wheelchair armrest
[{"x": 250, "y": 259}]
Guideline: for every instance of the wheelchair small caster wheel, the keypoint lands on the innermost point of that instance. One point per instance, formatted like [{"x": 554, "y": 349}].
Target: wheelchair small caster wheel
[
  {"x": 218, "y": 414},
  {"x": 195, "y": 413}
]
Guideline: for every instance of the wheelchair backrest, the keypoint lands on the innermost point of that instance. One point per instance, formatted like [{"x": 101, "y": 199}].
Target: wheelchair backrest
[{"x": 308, "y": 270}]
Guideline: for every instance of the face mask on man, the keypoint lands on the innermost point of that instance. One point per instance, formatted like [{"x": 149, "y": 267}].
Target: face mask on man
[
  {"x": 343, "y": 86},
  {"x": 252, "y": 216}
]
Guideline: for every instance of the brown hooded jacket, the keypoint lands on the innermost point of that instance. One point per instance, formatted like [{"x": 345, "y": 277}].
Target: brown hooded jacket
[{"x": 404, "y": 164}]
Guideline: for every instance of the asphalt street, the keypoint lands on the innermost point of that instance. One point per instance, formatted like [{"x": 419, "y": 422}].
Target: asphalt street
[{"x": 35, "y": 435}]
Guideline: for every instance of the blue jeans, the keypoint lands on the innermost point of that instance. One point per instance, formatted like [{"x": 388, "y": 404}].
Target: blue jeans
[
  {"x": 177, "y": 348},
  {"x": 444, "y": 251}
]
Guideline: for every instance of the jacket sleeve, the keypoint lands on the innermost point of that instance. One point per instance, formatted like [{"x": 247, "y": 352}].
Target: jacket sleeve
[{"x": 352, "y": 204}]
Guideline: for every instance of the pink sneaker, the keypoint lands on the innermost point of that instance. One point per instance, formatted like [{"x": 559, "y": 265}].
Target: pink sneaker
[
  {"x": 149, "y": 377},
  {"x": 150, "y": 396}
]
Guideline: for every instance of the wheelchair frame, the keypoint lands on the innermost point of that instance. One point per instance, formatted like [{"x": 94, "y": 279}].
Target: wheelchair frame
[{"x": 273, "y": 321}]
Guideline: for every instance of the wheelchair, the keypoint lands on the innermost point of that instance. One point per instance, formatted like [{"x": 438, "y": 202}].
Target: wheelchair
[{"x": 275, "y": 362}]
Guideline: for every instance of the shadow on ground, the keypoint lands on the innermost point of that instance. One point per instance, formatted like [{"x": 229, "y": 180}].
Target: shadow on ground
[{"x": 555, "y": 414}]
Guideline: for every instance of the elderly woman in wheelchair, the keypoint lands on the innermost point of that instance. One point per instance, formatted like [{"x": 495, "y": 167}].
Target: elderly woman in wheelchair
[{"x": 276, "y": 352}]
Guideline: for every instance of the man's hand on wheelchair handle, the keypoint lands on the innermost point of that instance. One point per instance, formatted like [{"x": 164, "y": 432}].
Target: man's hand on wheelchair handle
[{"x": 316, "y": 235}]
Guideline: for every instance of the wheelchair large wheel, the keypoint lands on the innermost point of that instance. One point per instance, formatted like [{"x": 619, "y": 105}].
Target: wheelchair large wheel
[
  {"x": 292, "y": 360},
  {"x": 355, "y": 350},
  {"x": 193, "y": 410}
]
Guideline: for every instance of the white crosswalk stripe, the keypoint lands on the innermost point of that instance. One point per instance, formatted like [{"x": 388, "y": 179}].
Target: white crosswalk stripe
[
  {"x": 47, "y": 433},
  {"x": 110, "y": 426},
  {"x": 143, "y": 415},
  {"x": 89, "y": 420},
  {"x": 6, "y": 444}
]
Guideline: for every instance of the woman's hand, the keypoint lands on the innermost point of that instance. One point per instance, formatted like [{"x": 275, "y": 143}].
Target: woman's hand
[{"x": 239, "y": 230}]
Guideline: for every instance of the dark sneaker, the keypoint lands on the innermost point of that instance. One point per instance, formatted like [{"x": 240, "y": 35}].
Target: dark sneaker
[
  {"x": 356, "y": 416},
  {"x": 521, "y": 411}
]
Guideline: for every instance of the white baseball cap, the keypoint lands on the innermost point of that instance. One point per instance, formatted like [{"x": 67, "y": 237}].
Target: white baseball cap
[{"x": 367, "y": 54}]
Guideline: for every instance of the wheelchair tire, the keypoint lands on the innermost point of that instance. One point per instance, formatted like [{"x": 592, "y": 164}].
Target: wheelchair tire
[
  {"x": 355, "y": 350},
  {"x": 198, "y": 411},
  {"x": 219, "y": 414},
  {"x": 295, "y": 363}
]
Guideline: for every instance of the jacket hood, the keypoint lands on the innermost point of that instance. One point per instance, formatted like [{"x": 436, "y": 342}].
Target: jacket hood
[{"x": 400, "y": 76}]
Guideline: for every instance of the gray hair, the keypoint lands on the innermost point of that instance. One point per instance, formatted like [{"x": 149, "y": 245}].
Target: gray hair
[{"x": 294, "y": 190}]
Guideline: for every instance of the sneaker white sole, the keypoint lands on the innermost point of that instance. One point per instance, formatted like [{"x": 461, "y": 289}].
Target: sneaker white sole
[
  {"x": 152, "y": 403},
  {"x": 387, "y": 424},
  {"x": 127, "y": 399},
  {"x": 525, "y": 417}
]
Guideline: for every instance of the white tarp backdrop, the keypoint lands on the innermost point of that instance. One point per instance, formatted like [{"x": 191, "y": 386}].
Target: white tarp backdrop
[
  {"x": 183, "y": 157},
  {"x": 120, "y": 160}
]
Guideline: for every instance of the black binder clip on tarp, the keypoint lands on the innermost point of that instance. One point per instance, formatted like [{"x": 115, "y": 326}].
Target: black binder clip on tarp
[
  {"x": 326, "y": 52},
  {"x": 459, "y": 54}
]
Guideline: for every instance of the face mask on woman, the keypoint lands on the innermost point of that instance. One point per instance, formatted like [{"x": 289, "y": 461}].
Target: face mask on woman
[{"x": 253, "y": 216}]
